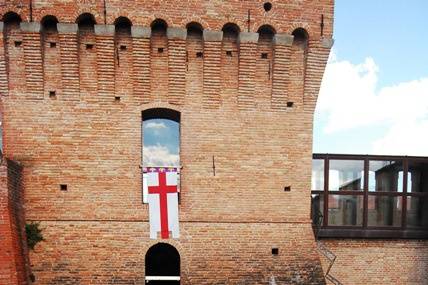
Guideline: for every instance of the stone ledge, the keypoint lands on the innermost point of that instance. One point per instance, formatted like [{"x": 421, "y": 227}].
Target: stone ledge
[
  {"x": 213, "y": 36},
  {"x": 1, "y": 26},
  {"x": 104, "y": 30},
  {"x": 67, "y": 28},
  {"x": 176, "y": 33},
  {"x": 283, "y": 39},
  {"x": 327, "y": 43},
  {"x": 141, "y": 32},
  {"x": 30, "y": 27},
  {"x": 245, "y": 37}
]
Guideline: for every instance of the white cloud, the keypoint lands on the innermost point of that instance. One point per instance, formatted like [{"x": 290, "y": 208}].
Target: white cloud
[
  {"x": 407, "y": 138},
  {"x": 350, "y": 99},
  {"x": 158, "y": 155},
  {"x": 155, "y": 125}
]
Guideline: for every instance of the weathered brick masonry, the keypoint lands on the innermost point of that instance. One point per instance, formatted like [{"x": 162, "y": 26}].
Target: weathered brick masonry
[
  {"x": 13, "y": 254},
  {"x": 245, "y": 81},
  {"x": 377, "y": 261}
]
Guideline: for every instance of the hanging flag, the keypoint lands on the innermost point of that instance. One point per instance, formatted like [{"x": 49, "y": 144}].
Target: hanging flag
[{"x": 163, "y": 202}]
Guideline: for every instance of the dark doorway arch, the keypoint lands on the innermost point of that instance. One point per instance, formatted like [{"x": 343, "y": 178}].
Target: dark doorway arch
[{"x": 162, "y": 265}]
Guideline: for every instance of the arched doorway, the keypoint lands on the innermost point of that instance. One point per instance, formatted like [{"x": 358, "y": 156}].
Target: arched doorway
[{"x": 162, "y": 265}]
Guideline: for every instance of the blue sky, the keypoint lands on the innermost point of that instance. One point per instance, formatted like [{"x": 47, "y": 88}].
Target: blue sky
[
  {"x": 374, "y": 97},
  {"x": 161, "y": 141}
]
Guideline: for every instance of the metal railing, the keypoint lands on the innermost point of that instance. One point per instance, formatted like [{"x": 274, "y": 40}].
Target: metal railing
[{"x": 327, "y": 253}]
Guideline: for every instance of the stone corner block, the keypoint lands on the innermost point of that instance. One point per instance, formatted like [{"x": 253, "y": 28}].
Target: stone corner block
[
  {"x": 176, "y": 33},
  {"x": 30, "y": 27},
  {"x": 213, "y": 36},
  {"x": 327, "y": 43},
  {"x": 246, "y": 37},
  {"x": 283, "y": 39},
  {"x": 141, "y": 32},
  {"x": 104, "y": 30},
  {"x": 1, "y": 26},
  {"x": 67, "y": 28}
]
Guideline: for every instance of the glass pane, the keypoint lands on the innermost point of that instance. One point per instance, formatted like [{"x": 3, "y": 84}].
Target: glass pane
[
  {"x": 385, "y": 176},
  {"x": 418, "y": 177},
  {"x": 346, "y": 175},
  {"x": 317, "y": 208},
  {"x": 161, "y": 142},
  {"x": 417, "y": 212},
  {"x": 318, "y": 174},
  {"x": 384, "y": 211},
  {"x": 345, "y": 210}
]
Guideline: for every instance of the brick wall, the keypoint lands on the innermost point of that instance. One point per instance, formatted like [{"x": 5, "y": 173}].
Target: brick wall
[
  {"x": 14, "y": 254},
  {"x": 233, "y": 105},
  {"x": 379, "y": 261}
]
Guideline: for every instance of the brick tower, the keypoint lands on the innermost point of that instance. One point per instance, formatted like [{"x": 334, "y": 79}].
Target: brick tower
[{"x": 242, "y": 77}]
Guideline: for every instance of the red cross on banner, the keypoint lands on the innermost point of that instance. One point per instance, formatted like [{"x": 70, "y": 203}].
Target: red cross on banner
[{"x": 163, "y": 203}]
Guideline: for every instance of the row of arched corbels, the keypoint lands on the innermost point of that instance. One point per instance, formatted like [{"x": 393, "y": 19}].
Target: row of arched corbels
[
  {"x": 87, "y": 21},
  {"x": 251, "y": 22}
]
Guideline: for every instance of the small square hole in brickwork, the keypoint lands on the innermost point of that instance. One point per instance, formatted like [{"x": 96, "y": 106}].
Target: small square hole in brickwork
[
  {"x": 290, "y": 104},
  {"x": 264, "y": 55},
  {"x": 275, "y": 251},
  {"x": 63, "y": 187},
  {"x": 200, "y": 54},
  {"x": 122, "y": 47},
  {"x": 160, "y": 50},
  {"x": 18, "y": 43},
  {"x": 89, "y": 46},
  {"x": 229, "y": 53},
  {"x": 52, "y": 45},
  {"x": 117, "y": 98},
  {"x": 52, "y": 94},
  {"x": 287, "y": 188}
]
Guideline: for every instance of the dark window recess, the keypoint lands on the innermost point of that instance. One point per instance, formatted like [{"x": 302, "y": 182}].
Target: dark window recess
[
  {"x": 52, "y": 94},
  {"x": 52, "y": 44},
  {"x": 18, "y": 43},
  {"x": 122, "y": 47},
  {"x": 160, "y": 50},
  {"x": 89, "y": 46},
  {"x": 63, "y": 187},
  {"x": 290, "y": 104},
  {"x": 267, "y": 6},
  {"x": 275, "y": 251},
  {"x": 264, "y": 55},
  {"x": 199, "y": 54},
  {"x": 229, "y": 53}
]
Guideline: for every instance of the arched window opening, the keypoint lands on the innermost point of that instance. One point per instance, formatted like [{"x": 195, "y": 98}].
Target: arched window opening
[
  {"x": 161, "y": 142},
  {"x": 194, "y": 41},
  {"x": 49, "y": 24},
  {"x": 162, "y": 265},
  {"x": 159, "y": 26},
  {"x": 266, "y": 33},
  {"x": 123, "y": 25},
  {"x": 11, "y": 18},
  {"x": 159, "y": 67},
  {"x": 230, "y": 31},
  {"x": 265, "y": 44},
  {"x": 86, "y": 22},
  {"x": 161, "y": 138},
  {"x": 301, "y": 38},
  {"x": 230, "y": 40},
  {"x": 195, "y": 29},
  {"x": 264, "y": 65}
]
